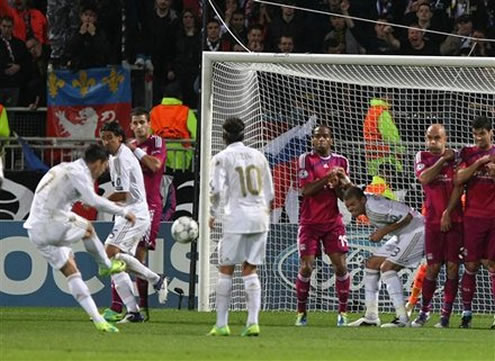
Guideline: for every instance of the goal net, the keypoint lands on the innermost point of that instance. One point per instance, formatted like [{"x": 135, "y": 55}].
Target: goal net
[{"x": 282, "y": 97}]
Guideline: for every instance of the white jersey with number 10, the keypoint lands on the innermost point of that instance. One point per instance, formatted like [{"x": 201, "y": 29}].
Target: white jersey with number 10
[{"x": 241, "y": 182}]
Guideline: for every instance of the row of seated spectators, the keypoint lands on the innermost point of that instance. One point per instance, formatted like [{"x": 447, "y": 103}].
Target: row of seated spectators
[{"x": 163, "y": 36}]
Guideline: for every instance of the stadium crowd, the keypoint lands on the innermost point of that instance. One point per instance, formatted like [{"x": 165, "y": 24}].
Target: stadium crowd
[{"x": 164, "y": 36}]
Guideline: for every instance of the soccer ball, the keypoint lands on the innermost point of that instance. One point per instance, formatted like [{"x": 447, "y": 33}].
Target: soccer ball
[{"x": 184, "y": 229}]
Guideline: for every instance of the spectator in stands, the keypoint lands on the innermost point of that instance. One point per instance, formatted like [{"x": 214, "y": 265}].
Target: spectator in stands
[
  {"x": 231, "y": 6},
  {"x": 88, "y": 47},
  {"x": 454, "y": 45},
  {"x": 214, "y": 42},
  {"x": 416, "y": 44},
  {"x": 36, "y": 88},
  {"x": 342, "y": 33},
  {"x": 288, "y": 22},
  {"x": 237, "y": 26},
  {"x": 481, "y": 11},
  {"x": 160, "y": 31},
  {"x": 14, "y": 58},
  {"x": 27, "y": 22},
  {"x": 286, "y": 44},
  {"x": 481, "y": 48},
  {"x": 427, "y": 20},
  {"x": 63, "y": 18},
  {"x": 384, "y": 42},
  {"x": 333, "y": 46},
  {"x": 255, "y": 38},
  {"x": 188, "y": 57}
]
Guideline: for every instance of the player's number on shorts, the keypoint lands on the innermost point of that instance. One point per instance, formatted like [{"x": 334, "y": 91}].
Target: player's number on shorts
[
  {"x": 250, "y": 180},
  {"x": 343, "y": 240}
]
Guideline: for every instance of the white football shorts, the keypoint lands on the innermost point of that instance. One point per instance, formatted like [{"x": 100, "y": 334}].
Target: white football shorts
[
  {"x": 126, "y": 236},
  {"x": 236, "y": 248},
  {"x": 405, "y": 249},
  {"x": 54, "y": 237}
]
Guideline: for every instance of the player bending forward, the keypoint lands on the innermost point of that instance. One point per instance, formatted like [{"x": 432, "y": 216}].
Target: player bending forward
[
  {"x": 405, "y": 248},
  {"x": 53, "y": 228},
  {"x": 241, "y": 181}
]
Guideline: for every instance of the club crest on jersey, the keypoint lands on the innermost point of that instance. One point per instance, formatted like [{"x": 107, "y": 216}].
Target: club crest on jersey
[
  {"x": 420, "y": 166},
  {"x": 303, "y": 173}
]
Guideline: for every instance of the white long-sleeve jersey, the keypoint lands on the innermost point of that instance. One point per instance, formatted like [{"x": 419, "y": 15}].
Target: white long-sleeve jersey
[
  {"x": 127, "y": 176},
  {"x": 61, "y": 187},
  {"x": 382, "y": 211},
  {"x": 241, "y": 183}
]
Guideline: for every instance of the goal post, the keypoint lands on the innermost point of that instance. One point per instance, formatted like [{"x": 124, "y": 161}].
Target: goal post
[{"x": 281, "y": 97}]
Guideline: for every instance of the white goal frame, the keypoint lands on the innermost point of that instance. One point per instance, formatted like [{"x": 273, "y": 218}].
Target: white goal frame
[{"x": 210, "y": 58}]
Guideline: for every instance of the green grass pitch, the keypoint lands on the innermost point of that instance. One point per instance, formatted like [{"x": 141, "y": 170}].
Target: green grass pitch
[{"x": 67, "y": 334}]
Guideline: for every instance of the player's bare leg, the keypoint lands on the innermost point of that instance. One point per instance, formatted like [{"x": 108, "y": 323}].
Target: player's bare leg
[
  {"x": 372, "y": 288},
  {"x": 342, "y": 285},
  {"x": 302, "y": 288},
  {"x": 252, "y": 287},
  {"x": 223, "y": 296}
]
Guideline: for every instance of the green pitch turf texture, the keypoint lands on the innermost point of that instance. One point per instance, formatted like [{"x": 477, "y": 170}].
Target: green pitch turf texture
[{"x": 67, "y": 334}]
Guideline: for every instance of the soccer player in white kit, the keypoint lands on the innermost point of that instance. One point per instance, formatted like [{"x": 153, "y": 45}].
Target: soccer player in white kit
[
  {"x": 405, "y": 248},
  {"x": 121, "y": 243},
  {"x": 53, "y": 228},
  {"x": 241, "y": 183}
]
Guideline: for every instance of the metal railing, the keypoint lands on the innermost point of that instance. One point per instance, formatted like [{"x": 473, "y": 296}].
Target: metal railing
[{"x": 53, "y": 150}]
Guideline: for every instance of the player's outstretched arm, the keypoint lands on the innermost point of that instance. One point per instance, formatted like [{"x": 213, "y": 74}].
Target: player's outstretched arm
[
  {"x": 382, "y": 232},
  {"x": 465, "y": 174},
  {"x": 92, "y": 199}
]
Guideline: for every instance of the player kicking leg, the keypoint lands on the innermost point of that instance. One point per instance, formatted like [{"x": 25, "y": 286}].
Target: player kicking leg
[
  {"x": 59, "y": 254},
  {"x": 121, "y": 244}
]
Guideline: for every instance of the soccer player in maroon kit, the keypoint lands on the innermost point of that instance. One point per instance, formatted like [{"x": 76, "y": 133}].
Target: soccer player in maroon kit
[
  {"x": 477, "y": 173},
  {"x": 152, "y": 154},
  {"x": 435, "y": 170},
  {"x": 320, "y": 220}
]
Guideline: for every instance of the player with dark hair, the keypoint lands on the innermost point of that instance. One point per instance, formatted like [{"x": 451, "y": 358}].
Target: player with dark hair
[
  {"x": 320, "y": 223},
  {"x": 53, "y": 228},
  {"x": 476, "y": 172},
  {"x": 151, "y": 152},
  {"x": 121, "y": 243},
  {"x": 403, "y": 249},
  {"x": 241, "y": 181}
]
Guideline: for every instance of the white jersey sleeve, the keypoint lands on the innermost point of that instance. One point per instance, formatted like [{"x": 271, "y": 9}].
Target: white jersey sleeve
[
  {"x": 382, "y": 211},
  {"x": 217, "y": 183},
  {"x": 83, "y": 185}
]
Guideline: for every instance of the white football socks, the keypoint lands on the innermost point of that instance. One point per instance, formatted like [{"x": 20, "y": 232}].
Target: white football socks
[
  {"x": 80, "y": 292},
  {"x": 223, "y": 294},
  {"x": 394, "y": 288},
  {"x": 253, "y": 297},
  {"x": 94, "y": 247},
  {"x": 371, "y": 290},
  {"x": 125, "y": 289}
]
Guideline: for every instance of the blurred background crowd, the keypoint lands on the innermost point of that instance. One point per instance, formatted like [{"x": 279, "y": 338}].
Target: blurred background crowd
[{"x": 165, "y": 38}]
